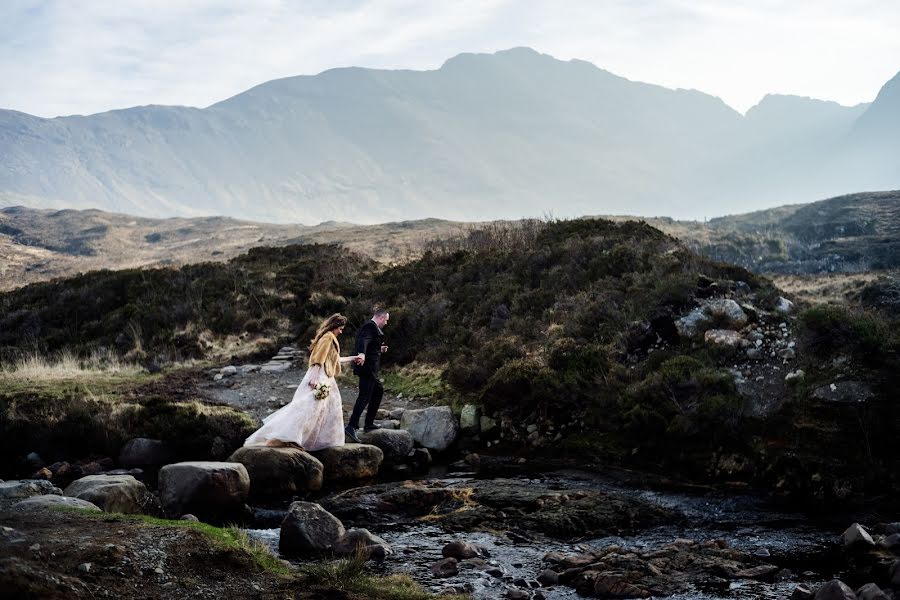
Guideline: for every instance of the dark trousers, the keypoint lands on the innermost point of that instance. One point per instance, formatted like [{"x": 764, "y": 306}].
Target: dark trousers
[{"x": 370, "y": 393}]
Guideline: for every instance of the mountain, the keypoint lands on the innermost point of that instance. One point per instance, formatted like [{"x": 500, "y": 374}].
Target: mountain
[{"x": 486, "y": 136}]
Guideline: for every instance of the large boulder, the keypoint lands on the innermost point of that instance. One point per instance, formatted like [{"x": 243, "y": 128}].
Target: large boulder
[
  {"x": 470, "y": 419},
  {"x": 51, "y": 501},
  {"x": 396, "y": 444},
  {"x": 434, "y": 427},
  {"x": 26, "y": 488},
  {"x": 364, "y": 542},
  {"x": 279, "y": 472},
  {"x": 112, "y": 493},
  {"x": 309, "y": 529},
  {"x": 213, "y": 491},
  {"x": 350, "y": 461},
  {"x": 144, "y": 453}
]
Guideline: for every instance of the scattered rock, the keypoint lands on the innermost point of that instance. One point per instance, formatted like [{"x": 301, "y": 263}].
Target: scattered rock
[
  {"x": 514, "y": 594},
  {"x": 396, "y": 444},
  {"x": 309, "y": 529},
  {"x": 460, "y": 550},
  {"x": 784, "y": 306},
  {"x": 228, "y": 371},
  {"x": 26, "y": 488},
  {"x": 795, "y": 375},
  {"x": 548, "y": 577},
  {"x": 144, "y": 452},
  {"x": 350, "y": 461},
  {"x": 487, "y": 425},
  {"x": 113, "y": 493},
  {"x": 892, "y": 542},
  {"x": 725, "y": 339},
  {"x": 857, "y": 537},
  {"x": 85, "y": 567},
  {"x": 835, "y": 590},
  {"x": 363, "y": 541},
  {"x": 189, "y": 517},
  {"x": 470, "y": 419},
  {"x": 445, "y": 568},
  {"x": 802, "y": 592},
  {"x": 279, "y": 472},
  {"x": 434, "y": 427},
  {"x": 214, "y": 491},
  {"x": 723, "y": 313},
  {"x": 870, "y": 591}
]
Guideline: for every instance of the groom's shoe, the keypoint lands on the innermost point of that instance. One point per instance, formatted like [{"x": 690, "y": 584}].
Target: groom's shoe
[
  {"x": 371, "y": 427},
  {"x": 350, "y": 431}
]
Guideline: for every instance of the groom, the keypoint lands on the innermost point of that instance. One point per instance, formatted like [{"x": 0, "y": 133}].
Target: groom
[{"x": 369, "y": 348}]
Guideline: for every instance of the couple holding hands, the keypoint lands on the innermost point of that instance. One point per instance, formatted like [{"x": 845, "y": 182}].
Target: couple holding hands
[{"x": 314, "y": 418}]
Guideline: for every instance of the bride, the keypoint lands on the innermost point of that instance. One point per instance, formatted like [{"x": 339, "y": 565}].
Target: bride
[{"x": 306, "y": 422}]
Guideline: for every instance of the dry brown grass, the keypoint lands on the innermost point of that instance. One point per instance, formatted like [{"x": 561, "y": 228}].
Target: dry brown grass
[
  {"x": 828, "y": 288},
  {"x": 66, "y": 366}
]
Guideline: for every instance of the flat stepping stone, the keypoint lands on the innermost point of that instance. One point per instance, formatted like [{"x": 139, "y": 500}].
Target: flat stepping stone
[
  {"x": 350, "y": 461},
  {"x": 279, "y": 472},
  {"x": 214, "y": 491},
  {"x": 396, "y": 444}
]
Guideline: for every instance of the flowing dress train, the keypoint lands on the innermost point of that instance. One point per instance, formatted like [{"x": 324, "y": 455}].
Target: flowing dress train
[{"x": 310, "y": 423}]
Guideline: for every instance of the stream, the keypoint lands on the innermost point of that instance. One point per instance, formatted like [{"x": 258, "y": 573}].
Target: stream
[{"x": 747, "y": 522}]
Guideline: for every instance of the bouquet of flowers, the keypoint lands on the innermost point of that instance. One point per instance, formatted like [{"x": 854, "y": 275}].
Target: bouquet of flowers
[{"x": 321, "y": 390}]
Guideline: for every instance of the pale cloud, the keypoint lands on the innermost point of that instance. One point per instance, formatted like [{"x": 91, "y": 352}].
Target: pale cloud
[{"x": 61, "y": 57}]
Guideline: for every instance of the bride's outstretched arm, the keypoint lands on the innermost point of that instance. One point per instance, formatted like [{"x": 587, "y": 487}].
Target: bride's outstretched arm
[{"x": 347, "y": 359}]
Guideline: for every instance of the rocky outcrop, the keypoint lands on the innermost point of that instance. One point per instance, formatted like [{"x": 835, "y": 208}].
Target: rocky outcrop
[
  {"x": 114, "y": 493},
  {"x": 279, "y": 472},
  {"x": 350, "y": 461},
  {"x": 26, "y": 488},
  {"x": 470, "y": 419},
  {"x": 434, "y": 427},
  {"x": 309, "y": 529},
  {"x": 213, "y": 491},
  {"x": 53, "y": 501},
  {"x": 844, "y": 392},
  {"x": 395, "y": 444}
]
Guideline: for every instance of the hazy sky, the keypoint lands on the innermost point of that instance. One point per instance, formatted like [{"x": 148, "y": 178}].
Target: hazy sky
[{"x": 62, "y": 57}]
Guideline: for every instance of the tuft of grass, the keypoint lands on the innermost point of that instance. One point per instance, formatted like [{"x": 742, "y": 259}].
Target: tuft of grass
[
  {"x": 416, "y": 380},
  {"x": 349, "y": 575}
]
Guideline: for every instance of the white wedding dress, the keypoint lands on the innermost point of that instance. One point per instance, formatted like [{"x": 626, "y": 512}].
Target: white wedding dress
[{"x": 313, "y": 424}]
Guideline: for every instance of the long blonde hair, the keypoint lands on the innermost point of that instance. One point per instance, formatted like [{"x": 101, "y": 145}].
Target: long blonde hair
[{"x": 331, "y": 323}]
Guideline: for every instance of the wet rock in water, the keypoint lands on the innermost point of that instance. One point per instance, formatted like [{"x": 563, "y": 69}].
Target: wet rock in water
[
  {"x": 434, "y": 427},
  {"x": 364, "y": 542},
  {"x": 514, "y": 594},
  {"x": 870, "y": 591},
  {"x": 895, "y": 574},
  {"x": 34, "y": 461},
  {"x": 460, "y": 550},
  {"x": 114, "y": 493},
  {"x": 802, "y": 592},
  {"x": 350, "y": 461},
  {"x": 145, "y": 452},
  {"x": 214, "y": 491},
  {"x": 279, "y": 472},
  {"x": 420, "y": 459},
  {"x": 52, "y": 501},
  {"x": 891, "y": 528},
  {"x": 309, "y": 529},
  {"x": 835, "y": 590},
  {"x": 447, "y": 567},
  {"x": 856, "y": 537},
  {"x": 395, "y": 444},
  {"x": 470, "y": 419},
  {"x": 548, "y": 577},
  {"x": 26, "y": 488}
]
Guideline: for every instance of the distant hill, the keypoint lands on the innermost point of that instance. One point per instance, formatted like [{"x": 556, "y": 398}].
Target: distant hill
[
  {"x": 855, "y": 233},
  {"x": 486, "y": 136}
]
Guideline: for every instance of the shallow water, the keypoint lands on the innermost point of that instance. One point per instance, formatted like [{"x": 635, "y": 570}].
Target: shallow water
[{"x": 747, "y": 522}]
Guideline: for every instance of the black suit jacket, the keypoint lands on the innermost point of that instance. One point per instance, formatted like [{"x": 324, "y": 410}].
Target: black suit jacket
[{"x": 369, "y": 339}]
